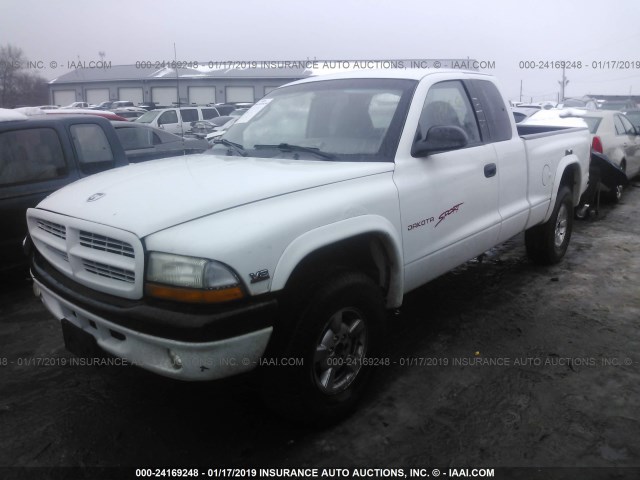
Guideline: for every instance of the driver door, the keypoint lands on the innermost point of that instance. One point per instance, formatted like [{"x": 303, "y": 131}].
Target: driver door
[{"x": 449, "y": 200}]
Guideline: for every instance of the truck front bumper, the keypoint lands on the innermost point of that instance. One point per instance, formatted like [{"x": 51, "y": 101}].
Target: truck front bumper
[{"x": 194, "y": 345}]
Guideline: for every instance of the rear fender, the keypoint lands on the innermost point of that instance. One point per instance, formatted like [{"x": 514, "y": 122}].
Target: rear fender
[{"x": 577, "y": 181}]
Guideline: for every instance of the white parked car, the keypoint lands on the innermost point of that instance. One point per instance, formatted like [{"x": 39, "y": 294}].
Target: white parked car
[
  {"x": 78, "y": 105},
  {"x": 121, "y": 104},
  {"x": 177, "y": 120},
  {"x": 611, "y": 133}
]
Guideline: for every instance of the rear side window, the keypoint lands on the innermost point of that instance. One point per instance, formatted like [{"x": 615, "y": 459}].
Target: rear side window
[
  {"x": 208, "y": 113},
  {"x": 30, "y": 155},
  {"x": 189, "y": 114},
  {"x": 493, "y": 109},
  {"x": 92, "y": 147}
]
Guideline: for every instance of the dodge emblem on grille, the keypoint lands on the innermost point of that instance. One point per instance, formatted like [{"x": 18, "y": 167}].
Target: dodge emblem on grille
[{"x": 95, "y": 196}]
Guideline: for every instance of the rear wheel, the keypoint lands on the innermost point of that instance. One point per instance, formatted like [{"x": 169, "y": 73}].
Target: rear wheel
[
  {"x": 615, "y": 195},
  {"x": 547, "y": 243},
  {"x": 337, "y": 334}
]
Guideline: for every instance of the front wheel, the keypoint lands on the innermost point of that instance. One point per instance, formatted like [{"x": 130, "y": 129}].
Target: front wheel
[
  {"x": 547, "y": 243},
  {"x": 335, "y": 341}
]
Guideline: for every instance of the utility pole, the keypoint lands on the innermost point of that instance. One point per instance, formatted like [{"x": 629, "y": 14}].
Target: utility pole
[
  {"x": 520, "y": 91},
  {"x": 563, "y": 84}
]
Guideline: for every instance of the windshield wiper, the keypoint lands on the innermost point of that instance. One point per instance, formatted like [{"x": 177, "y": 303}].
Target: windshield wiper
[
  {"x": 237, "y": 147},
  {"x": 287, "y": 147}
]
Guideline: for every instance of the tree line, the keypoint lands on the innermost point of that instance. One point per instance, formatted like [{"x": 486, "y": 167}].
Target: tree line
[{"x": 19, "y": 86}]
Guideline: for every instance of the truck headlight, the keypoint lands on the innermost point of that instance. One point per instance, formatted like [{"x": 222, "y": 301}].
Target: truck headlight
[{"x": 190, "y": 279}]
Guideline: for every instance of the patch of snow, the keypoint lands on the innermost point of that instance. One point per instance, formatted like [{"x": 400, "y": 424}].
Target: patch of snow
[
  {"x": 569, "y": 117},
  {"x": 29, "y": 111},
  {"x": 163, "y": 72},
  {"x": 7, "y": 115}
]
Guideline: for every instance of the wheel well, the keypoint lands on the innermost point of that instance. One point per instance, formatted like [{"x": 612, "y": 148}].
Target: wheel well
[
  {"x": 571, "y": 178},
  {"x": 363, "y": 253}
]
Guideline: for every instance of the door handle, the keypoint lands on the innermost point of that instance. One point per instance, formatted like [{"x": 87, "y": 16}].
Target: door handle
[{"x": 490, "y": 170}]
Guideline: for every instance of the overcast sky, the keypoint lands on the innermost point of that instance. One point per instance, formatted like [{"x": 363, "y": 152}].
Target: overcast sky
[{"x": 500, "y": 31}]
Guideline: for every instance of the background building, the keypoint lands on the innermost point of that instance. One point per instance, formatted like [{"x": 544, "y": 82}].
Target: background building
[{"x": 167, "y": 86}]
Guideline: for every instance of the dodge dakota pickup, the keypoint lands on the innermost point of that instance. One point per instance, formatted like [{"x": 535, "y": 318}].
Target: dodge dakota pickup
[{"x": 326, "y": 202}]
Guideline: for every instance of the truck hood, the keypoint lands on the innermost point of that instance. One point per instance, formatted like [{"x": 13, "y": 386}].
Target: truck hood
[{"x": 147, "y": 197}]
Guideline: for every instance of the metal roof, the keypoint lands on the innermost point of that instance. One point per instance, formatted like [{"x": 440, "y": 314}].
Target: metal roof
[
  {"x": 250, "y": 69},
  {"x": 133, "y": 72}
]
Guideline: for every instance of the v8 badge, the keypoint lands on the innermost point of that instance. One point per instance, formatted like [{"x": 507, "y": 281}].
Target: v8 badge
[{"x": 259, "y": 276}]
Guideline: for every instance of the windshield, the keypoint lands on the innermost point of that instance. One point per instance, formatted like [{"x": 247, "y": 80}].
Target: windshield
[
  {"x": 148, "y": 117},
  {"x": 337, "y": 120},
  {"x": 614, "y": 106},
  {"x": 592, "y": 123}
]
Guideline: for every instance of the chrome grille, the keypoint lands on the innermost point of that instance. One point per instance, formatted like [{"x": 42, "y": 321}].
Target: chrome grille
[
  {"x": 106, "y": 244},
  {"x": 109, "y": 271},
  {"x": 98, "y": 256},
  {"x": 59, "y": 231}
]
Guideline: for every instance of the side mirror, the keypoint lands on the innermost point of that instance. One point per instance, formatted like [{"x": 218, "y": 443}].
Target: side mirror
[{"x": 440, "y": 139}]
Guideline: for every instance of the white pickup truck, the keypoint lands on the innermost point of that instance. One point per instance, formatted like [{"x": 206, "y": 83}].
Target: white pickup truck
[{"x": 324, "y": 205}]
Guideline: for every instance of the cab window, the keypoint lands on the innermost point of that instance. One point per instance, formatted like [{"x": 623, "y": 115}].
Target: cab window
[
  {"x": 493, "y": 113},
  {"x": 447, "y": 104},
  {"x": 92, "y": 147},
  {"x": 167, "y": 117},
  {"x": 30, "y": 155}
]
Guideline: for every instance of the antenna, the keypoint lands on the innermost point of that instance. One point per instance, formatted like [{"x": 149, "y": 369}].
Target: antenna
[{"x": 175, "y": 66}]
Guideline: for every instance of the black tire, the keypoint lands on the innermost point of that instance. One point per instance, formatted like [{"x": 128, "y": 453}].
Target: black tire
[
  {"x": 547, "y": 243},
  {"x": 615, "y": 195},
  {"x": 337, "y": 331}
]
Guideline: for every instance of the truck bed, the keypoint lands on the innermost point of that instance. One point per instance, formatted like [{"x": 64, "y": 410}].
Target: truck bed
[{"x": 536, "y": 131}]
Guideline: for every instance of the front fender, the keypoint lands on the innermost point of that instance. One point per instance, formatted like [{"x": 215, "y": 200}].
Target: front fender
[{"x": 327, "y": 235}]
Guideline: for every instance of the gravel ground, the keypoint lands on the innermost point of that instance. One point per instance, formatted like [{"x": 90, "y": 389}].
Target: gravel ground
[{"x": 499, "y": 363}]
